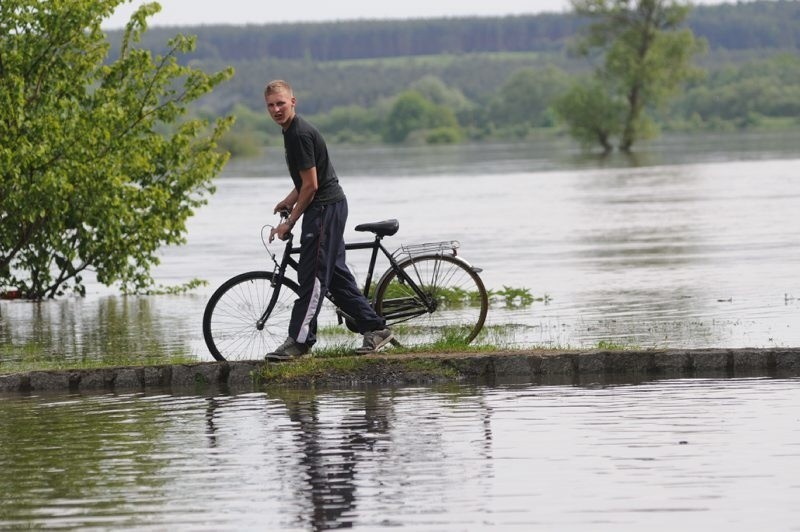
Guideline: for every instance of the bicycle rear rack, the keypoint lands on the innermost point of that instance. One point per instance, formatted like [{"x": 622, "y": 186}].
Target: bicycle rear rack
[{"x": 447, "y": 247}]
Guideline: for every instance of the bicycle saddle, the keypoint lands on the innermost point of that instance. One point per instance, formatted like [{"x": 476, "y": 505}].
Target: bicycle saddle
[{"x": 384, "y": 228}]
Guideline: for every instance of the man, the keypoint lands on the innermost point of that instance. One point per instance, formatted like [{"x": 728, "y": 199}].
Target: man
[{"x": 320, "y": 200}]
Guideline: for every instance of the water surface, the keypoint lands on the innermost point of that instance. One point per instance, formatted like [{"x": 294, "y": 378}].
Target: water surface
[
  {"x": 700, "y": 454},
  {"x": 693, "y": 243}
]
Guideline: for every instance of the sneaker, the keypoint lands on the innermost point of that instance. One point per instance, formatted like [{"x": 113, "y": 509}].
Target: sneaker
[
  {"x": 374, "y": 340},
  {"x": 288, "y": 350}
]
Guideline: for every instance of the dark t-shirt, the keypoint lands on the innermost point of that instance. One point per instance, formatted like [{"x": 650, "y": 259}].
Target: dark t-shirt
[{"x": 305, "y": 148}]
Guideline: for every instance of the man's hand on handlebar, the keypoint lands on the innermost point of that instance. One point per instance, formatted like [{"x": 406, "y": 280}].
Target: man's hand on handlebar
[{"x": 283, "y": 230}]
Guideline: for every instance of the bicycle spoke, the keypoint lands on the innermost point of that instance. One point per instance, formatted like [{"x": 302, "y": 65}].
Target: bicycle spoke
[
  {"x": 231, "y": 317},
  {"x": 459, "y": 301}
]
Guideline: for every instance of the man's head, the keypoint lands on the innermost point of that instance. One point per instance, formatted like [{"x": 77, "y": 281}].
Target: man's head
[{"x": 280, "y": 102}]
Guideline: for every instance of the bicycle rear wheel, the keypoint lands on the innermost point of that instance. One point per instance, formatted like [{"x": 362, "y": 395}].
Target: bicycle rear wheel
[
  {"x": 232, "y": 313},
  {"x": 459, "y": 301}
]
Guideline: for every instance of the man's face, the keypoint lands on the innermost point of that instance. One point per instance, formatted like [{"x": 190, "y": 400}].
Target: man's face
[{"x": 280, "y": 106}]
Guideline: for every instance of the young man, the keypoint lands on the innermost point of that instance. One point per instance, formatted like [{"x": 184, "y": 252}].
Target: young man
[{"x": 320, "y": 200}]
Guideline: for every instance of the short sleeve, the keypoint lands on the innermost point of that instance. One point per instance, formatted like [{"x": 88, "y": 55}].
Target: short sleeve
[{"x": 305, "y": 157}]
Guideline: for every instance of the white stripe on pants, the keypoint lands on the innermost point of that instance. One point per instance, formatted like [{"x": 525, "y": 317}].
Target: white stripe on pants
[{"x": 313, "y": 305}]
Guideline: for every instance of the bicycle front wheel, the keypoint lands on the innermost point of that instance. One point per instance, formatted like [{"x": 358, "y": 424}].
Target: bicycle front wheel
[
  {"x": 230, "y": 321},
  {"x": 450, "y": 310}
]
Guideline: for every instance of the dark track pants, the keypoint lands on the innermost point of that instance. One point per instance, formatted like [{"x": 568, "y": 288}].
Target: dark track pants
[{"x": 322, "y": 269}]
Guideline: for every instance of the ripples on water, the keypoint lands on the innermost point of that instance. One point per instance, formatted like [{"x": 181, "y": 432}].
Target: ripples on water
[{"x": 698, "y": 454}]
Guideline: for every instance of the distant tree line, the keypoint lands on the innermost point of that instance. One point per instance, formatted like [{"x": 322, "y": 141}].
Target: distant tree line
[
  {"x": 734, "y": 26},
  {"x": 748, "y": 25},
  {"x": 451, "y": 80},
  {"x": 755, "y": 94},
  {"x": 758, "y": 93},
  {"x": 370, "y": 39}
]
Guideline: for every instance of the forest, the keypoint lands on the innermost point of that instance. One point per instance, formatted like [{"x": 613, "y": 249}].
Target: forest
[{"x": 470, "y": 79}]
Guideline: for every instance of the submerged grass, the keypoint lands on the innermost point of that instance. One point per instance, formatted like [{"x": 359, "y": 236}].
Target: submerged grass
[
  {"x": 607, "y": 345},
  {"x": 24, "y": 364}
]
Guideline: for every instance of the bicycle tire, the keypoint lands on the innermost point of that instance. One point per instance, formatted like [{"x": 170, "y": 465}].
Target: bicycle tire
[
  {"x": 461, "y": 301},
  {"x": 229, "y": 320}
]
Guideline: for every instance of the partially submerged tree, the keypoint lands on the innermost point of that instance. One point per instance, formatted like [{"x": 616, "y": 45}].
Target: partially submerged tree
[
  {"x": 647, "y": 55},
  {"x": 89, "y": 180},
  {"x": 592, "y": 115}
]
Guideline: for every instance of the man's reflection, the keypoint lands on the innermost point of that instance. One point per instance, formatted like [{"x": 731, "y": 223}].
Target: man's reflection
[{"x": 334, "y": 435}]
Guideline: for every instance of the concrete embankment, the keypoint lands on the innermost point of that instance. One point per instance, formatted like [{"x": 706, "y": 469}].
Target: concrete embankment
[{"x": 542, "y": 366}]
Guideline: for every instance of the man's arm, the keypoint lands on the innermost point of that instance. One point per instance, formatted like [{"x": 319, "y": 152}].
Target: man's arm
[
  {"x": 287, "y": 203},
  {"x": 308, "y": 189}
]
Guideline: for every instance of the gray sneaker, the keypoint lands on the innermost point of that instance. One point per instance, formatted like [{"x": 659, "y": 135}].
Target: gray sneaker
[
  {"x": 288, "y": 350},
  {"x": 374, "y": 340}
]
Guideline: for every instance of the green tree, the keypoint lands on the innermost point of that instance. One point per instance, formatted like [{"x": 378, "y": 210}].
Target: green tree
[
  {"x": 647, "y": 54},
  {"x": 733, "y": 96},
  {"x": 436, "y": 91},
  {"x": 591, "y": 115},
  {"x": 248, "y": 135},
  {"x": 89, "y": 180},
  {"x": 352, "y": 123},
  {"x": 413, "y": 112},
  {"x": 524, "y": 100}
]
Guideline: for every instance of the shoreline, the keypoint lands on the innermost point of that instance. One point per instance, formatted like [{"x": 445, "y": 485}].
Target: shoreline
[{"x": 545, "y": 366}]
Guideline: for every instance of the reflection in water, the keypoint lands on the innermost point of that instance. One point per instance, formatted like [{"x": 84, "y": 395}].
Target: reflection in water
[
  {"x": 64, "y": 458},
  {"x": 334, "y": 453},
  {"x": 331, "y": 472},
  {"x": 661, "y": 455},
  {"x": 113, "y": 329}
]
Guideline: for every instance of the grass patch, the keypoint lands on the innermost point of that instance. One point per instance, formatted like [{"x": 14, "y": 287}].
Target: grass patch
[
  {"x": 445, "y": 347},
  {"x": 313, "y": 367},
  {"x": 25, "y": 364},
  {"x": 328, "y": 368},
  {"x": 613, "y": 346},
  {"x": 345, "y": 351},
  {"x": 446, "y": 296},
  {"x": 457, "y": 297},
  {"x": 184, "y": 288},
  {"x": 513, "y": 297}
]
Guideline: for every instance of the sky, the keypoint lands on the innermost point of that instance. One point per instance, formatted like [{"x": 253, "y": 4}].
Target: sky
[{"x": 196, "y": 12}]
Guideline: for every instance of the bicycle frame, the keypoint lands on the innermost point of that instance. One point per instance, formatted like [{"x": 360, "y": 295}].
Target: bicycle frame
[{"x": 375, "y": 245}]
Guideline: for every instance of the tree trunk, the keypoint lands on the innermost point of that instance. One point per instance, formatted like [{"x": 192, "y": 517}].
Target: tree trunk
[
  {"x": 635, "y": 106},
  {"x": 629, "y": 131},
  {"x": 602, "y": 137}
]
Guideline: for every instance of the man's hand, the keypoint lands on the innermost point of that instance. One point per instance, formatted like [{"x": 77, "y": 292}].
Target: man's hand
[
  {"x": 282, "y": 231},
  {"x": 283, "y": 206}
]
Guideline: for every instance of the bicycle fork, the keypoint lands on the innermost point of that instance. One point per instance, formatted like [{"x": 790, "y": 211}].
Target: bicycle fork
[{"x": 276, "y": 282}]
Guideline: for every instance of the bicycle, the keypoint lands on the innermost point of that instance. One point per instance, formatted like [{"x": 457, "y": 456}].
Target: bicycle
[{"x": 427, "y": 294}]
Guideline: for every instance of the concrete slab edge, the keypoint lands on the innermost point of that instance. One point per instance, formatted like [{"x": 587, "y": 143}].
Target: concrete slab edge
[{"x": 784, "y": 362}]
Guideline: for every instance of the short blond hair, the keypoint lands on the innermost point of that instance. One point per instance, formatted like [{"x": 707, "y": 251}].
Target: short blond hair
[{"x": 277, "y": 85}]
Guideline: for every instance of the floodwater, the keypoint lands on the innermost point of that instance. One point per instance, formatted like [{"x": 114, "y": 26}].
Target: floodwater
[
  {"x": 700, "y": 454},
  {"x": 693, "y": 243}
]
